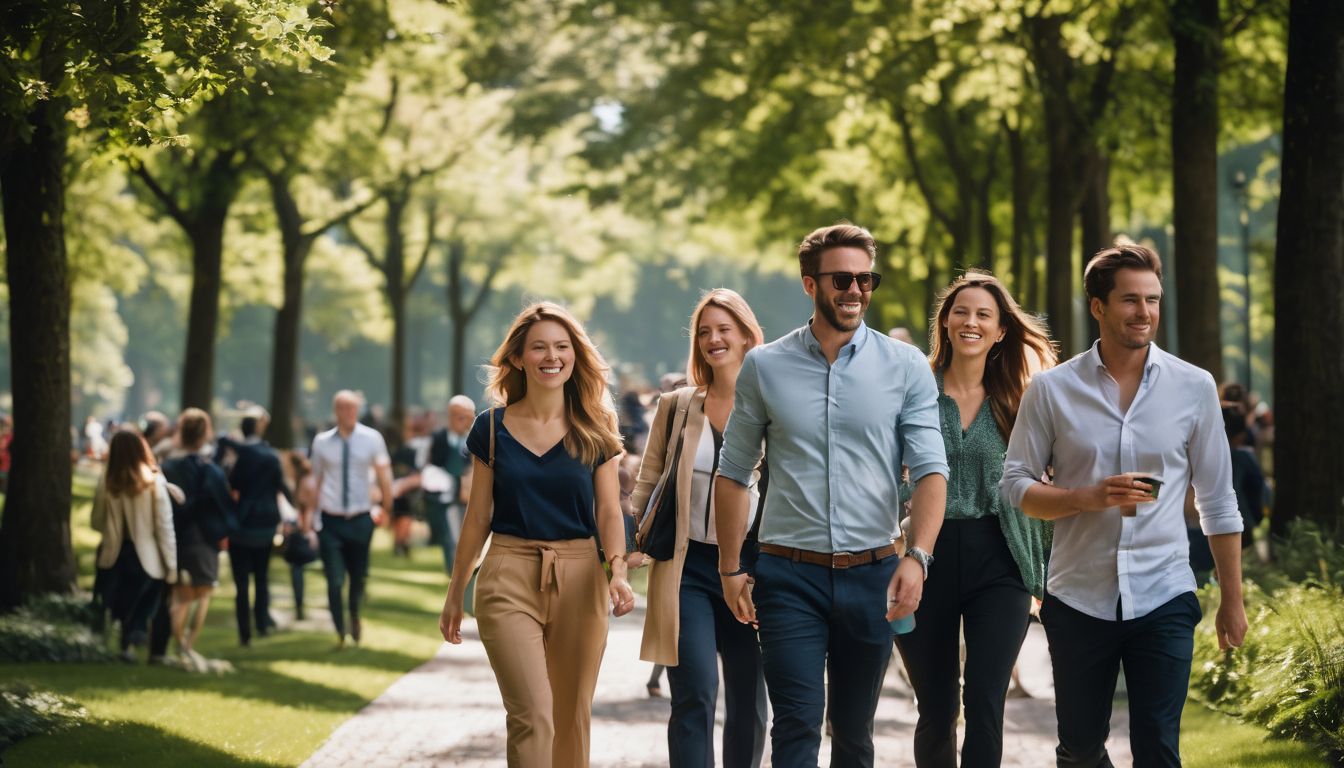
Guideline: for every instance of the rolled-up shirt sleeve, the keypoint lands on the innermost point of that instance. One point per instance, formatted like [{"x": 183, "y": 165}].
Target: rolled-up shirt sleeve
[
  {"x": 922, "y": 446},
  {"x": 746, "y": 426},
  {"x": 1211, "y": 467},
  {"x": 1029, "y": 447}
]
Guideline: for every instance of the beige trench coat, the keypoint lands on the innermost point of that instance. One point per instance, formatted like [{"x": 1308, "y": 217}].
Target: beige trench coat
[{"x": 662, "y": 620}]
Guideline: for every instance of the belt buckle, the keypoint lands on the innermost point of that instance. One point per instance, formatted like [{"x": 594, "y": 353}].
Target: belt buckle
[{"x": 841, "y": 560}]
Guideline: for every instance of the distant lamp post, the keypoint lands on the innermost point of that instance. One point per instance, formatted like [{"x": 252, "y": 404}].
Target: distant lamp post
[{"x": 1241, "y": 188}]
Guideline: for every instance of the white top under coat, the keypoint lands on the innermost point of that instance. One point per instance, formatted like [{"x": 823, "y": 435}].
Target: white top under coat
[{"x": 702, "y": 497}]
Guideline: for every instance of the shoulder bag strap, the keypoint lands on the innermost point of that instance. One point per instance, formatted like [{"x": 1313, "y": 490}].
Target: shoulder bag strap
[
  {"x": 679, "y": 420},
  {"x": 491, "y": 463},
  {"x": 672, "y": 455}
]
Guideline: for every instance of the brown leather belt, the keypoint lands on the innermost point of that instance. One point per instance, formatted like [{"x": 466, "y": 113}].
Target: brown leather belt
[{"x": 836, "y": 560}]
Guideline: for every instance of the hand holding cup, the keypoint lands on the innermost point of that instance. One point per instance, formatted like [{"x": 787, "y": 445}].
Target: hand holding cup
[{"x": 1148, "y": 483}]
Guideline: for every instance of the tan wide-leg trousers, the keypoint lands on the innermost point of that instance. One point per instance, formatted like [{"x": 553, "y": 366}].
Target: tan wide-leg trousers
[{"x": 541, "y": 607}]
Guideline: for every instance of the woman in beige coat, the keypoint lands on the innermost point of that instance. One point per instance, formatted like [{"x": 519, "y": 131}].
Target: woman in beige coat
[
  {"x": 138, "y": 553},
  {"x": 688, "y": 626}
]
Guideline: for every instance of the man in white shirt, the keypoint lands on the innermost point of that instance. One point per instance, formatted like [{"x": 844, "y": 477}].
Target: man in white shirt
[
  {"x": 448, "y": 451},
  {"x": 344, "y": 459},
  {"x": 1120, "y": 588}
]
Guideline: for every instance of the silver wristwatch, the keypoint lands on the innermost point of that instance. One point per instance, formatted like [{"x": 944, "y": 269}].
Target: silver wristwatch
[{"x": 923, "y": 558}]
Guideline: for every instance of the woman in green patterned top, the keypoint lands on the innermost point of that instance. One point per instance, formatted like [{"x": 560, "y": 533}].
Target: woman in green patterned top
[{"x": 991, "y": 558}]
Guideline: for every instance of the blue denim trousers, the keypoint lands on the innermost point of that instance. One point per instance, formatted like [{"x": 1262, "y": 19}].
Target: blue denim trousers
[{"x": 709, "y": 631}]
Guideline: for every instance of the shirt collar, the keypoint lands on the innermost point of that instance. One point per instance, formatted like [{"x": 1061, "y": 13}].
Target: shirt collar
[
  {"x": 855, "y": 344},
  {"x": 1154, "y": 361}
]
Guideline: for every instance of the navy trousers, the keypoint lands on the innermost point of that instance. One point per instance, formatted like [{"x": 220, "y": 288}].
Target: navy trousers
[
  {"x": 251, "y": 563},
  {"x": 708, "y": 631},
  {"x": 1087, "y": 652},
  {"x": 820, "y": 624},
  {"x": 344, "y": 543}
]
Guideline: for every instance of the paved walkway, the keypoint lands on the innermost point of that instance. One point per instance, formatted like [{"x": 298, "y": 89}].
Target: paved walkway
[{"x": 448, "y": 713}]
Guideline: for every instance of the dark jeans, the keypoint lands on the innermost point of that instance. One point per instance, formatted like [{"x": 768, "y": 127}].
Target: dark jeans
[
  {"x": 251, "y": 562},
  {"x": 161, "y": 629},
  {"x": 1086, "y": 654},
  {"x": 819, "y": 623},
  {"x": 132, "y": 595},
  {"x": 296, "y": 583},
  {"x": 344, "y": 544},
  {"x": 445, "y": 520},
  {"x": 708, "y": 631},
  {"x": 975, "y": 581},
  {"x": 436, "y": 515}
]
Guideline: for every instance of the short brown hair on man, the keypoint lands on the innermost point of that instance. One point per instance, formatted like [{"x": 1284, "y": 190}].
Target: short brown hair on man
[
  {"x": 193, "y": 427},
  {"x": 841, "y": 235},
  {"x": 1099, "y": 275}
]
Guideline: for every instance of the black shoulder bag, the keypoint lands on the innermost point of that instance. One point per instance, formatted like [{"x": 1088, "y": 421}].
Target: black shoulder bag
[{"x": 657, "y": 536}]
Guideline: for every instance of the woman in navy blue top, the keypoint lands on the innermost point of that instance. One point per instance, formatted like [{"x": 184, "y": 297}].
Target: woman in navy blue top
[{"x": 544, "y": 482}]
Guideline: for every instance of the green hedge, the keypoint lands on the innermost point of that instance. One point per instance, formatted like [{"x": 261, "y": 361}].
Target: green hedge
[
  {"x": 56, "y": 628},
  {"x": 25, "y": 712},
  {"x": 1289, "y": 674}
]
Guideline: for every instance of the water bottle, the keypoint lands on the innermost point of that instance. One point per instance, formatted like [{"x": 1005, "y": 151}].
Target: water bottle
[{"x": 903, "y": 625}]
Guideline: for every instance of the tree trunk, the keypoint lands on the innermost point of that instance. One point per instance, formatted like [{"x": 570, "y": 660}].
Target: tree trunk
[
  {"x": 985, "y": 228},
  {"x": 1195, "y": 28},
  {"x": 285, "y": 349},
  {"x": 394, "y": 270},
  {"x": 1071, "y": 122},
  {"x": 1060, "y": 205},
  {"x": 397, "y": 305},
  {"x": 1054, "y": 69},
  {"x": 198, "y": 364},
  {"x": 457, "y": 318},
  {"x": 35, "y": 552},
  {"x": 1020, "y": 258},
  {"x": 219, "y": 187},
  {"x": 1094, "y": 215},
  {"x": 1309, "y": 272}
]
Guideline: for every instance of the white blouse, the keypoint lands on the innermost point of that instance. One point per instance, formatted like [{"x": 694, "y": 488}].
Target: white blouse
[{"x": 702, "y": 490}]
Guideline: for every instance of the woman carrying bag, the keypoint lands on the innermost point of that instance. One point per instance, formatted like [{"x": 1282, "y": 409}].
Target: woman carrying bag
[
  {"x": 132, "y": 510},
  {"x": 688, "y": 625},
  {"x": 544, "y": 483}
]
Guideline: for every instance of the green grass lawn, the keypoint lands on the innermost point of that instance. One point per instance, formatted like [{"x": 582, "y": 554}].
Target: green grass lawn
[
  {"x": 1213, "y": 740},
  {"x": 289, "y": 692}
]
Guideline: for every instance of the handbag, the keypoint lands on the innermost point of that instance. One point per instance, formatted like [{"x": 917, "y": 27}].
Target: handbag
[
  {"x": 657, "y": 536},
  {"x": 298, "y": 550}
]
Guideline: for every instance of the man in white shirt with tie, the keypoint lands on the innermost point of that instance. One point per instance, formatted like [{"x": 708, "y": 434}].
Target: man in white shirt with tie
[
  {"x": 344, "y": 459},
  {"x": 1120, "y": 588}
]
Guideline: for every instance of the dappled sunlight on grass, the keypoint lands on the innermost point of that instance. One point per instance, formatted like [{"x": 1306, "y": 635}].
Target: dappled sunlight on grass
[
  {"x": 1213, "y": 740},
  {"x": 289, "y": 691}
]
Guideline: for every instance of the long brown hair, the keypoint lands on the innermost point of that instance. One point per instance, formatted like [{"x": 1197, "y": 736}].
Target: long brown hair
[
  {"x": 1009, "y": 367},
  {"x": 593, "y": 432},
  {"x": 698, "y": 369},
  {"x": 130, "y": 464}
]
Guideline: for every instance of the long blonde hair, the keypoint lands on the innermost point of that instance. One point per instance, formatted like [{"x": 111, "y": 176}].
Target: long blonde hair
[
  {"x": 699, "y": 372},
  {"x": 593, "y": 433},
  {"x": 1008, "y": 369}
]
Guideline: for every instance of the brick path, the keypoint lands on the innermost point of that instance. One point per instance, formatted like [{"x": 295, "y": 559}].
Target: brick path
[{"x": 448, "y": 713}]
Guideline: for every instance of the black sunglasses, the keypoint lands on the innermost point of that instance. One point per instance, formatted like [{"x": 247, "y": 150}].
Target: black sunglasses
[{"x": 842, "y": 280}]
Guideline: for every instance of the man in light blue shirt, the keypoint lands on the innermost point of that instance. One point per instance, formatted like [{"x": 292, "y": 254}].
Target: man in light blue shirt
[
  {"x": 1120, "y": 588},
  {"x": 840, "y": 408}
]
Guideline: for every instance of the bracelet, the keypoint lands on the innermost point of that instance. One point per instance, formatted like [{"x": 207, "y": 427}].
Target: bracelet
[
  {"x": 740, "y": 570},
  {"x": 621, "y": 556}
]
